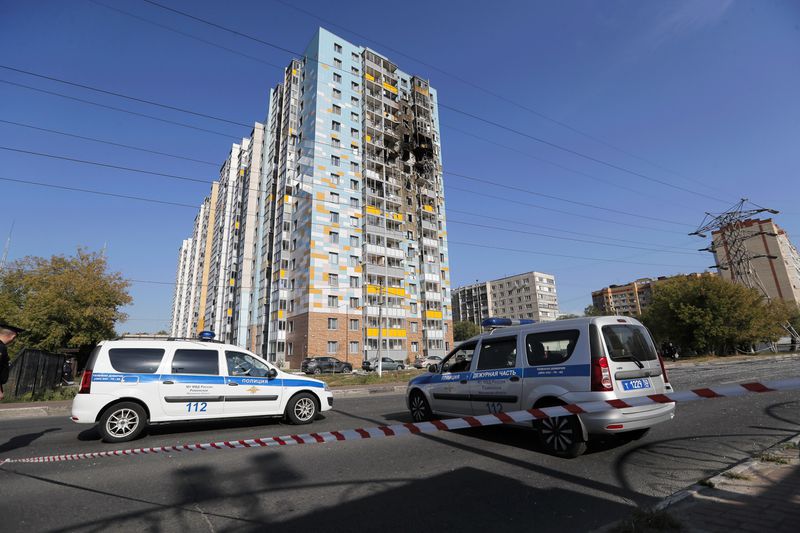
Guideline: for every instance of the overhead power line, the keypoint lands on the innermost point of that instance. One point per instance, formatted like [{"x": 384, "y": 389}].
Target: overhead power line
[
  {"x": 110, "y": 143},
  {"x": 472, "y": 178},
  {"x": 125, "y": 96},
  {"x": 490, "y": 92},
  {"x": 119, "y": 109},
  {"x": 444, "y": 106}
]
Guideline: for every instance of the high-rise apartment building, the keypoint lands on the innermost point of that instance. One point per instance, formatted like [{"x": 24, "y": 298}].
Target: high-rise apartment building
[
  {"x": 329, "y": 223},
  {"x": 776, "y": 262},
  {"x": 531, "y": 295}
]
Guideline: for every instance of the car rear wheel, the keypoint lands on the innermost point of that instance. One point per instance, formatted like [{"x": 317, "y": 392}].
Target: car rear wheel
[
  {"x": 347, "y": 369},
  {"x": 317, "y": 371},
  {"x": 302, "y": 409},
  {"x": 561, "y": 436},
  {"x": 400, "y": 367},
  {"x": 420, "y": 410},
  {"x": 122, "y": 422}
]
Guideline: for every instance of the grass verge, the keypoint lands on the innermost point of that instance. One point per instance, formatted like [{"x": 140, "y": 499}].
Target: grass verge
[
  {"x": 61, "y": 393},
  {"x": 399, "y": 377},
  {"x": 648, "y": 522}
]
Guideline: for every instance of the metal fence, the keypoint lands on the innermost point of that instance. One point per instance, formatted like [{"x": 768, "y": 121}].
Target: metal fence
[{"x": 34, "y": 372}]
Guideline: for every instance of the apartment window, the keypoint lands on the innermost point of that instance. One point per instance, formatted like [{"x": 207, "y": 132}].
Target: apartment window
[
  {"x": 353, "y": 261},
  {"x": 353, "y": 116},
  {"x": 353, "y": 222},
  {"x": 333, "y": 258},
  {"x": 333, "y": 347},
  {"x": 354, "y": 133},
  {"x": 335, "y": 160},
  {"x": 414, "y": 347},
  {"x": 355, "y": 56},
  {"x": 335, "y": 177},
  {"x": 353, "y": 303},
  {"x": 414, "y": 327},
  {"x": 333, "y": 301},
  {"x": 354, "y": 166},
  {"x": 354, "y": 86},
  {"x": 333, "y": 198},
  {"x": 338, "y": 95},
  {"x": 353, "y": 346},
  {"x": 337, "y": 77},
  {"x": 334, "y": 237},
  {"x": 354, "y": 70},
  {"x": 354, "y": 241},
  {"x": 334, "y": 217},
  {"x": 413, "y": 307},
  {"x": 336, "y": 143},
  {"x": 290, "y": 325},
  {"x": 355, "y": 282},
  {"x": 353, "y": 202},
  {"x": 354, "y": 100},
  {"x": 337, "y": 110},
  {"x": 337, "y": 62},
  {"x": 333, "y": 323},
  {"x": 333, "y": 280},
  {"x": 353, "y": 324},
  {"x": 289, "y": 348},
  {"x": 337, "y": 48},
  {"x": 336, "y": 126}
]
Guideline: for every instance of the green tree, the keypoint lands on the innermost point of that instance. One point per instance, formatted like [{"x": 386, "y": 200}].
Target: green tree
[
  {"x": 62, "y": 302},
  {"x": 464, "y": 330},
  {"x": 591, "y": 310},
  {"x": 713, "y": 315}
]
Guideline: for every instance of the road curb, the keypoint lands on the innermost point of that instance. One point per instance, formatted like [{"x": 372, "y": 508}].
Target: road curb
[{"x": 34, "y": 412}]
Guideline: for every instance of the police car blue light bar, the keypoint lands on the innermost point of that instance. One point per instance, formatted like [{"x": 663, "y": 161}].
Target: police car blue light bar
[
  {"x": 206, "y": 335},
  {"x": 498, "y": 322}
]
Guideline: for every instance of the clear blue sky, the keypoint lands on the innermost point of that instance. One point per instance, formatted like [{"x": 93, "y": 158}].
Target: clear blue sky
[{"x": 702, "y": 95}]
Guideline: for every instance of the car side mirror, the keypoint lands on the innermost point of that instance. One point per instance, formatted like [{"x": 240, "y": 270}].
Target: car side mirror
[
  {"x": 272, "y": 374},
  {"x": 433, "y": 369}
]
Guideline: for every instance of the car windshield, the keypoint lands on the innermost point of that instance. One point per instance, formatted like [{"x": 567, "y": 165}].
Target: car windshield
[{"x": 628, "y": 342}]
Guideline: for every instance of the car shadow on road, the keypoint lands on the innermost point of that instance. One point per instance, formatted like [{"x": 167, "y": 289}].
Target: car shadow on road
[
  {"x": 178, "y": 428},
  {"x": 23, "y": 441}
]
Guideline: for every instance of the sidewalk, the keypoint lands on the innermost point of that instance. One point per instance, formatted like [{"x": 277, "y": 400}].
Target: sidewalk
[{"x": 761, "y": 494}]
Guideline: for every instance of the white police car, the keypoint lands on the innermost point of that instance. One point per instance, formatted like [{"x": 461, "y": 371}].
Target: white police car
[
  {"x": 130, "y": 383},
  {"x": 532, "y": 365}
]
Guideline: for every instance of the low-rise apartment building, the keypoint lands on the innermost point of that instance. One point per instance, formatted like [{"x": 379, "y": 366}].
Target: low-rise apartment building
[{"x": 531, "y": 295}]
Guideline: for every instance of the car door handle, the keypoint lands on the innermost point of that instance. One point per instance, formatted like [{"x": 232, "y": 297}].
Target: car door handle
[
  {"x": 168, "y": 382},
  {"x": 514, "y": 378},
  {"x": 233, "y": 384}
]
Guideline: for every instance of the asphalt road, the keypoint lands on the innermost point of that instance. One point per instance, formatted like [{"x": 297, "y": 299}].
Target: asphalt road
[{"x": 484, "y": 478}]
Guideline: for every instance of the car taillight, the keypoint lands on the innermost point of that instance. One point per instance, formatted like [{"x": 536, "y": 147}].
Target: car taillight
[
  {"x": 663, "y": 369},
  {"x": 86, "y": 382},
  {"x": 601, "y": 375}
]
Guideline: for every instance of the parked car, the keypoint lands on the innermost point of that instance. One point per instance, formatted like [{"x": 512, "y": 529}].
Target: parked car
[
  {"x": 386, "y": 364},
  {"x": 318, "y": 365},
  {"x": 426, "y": 362},
  {"x": 609, "y": 358},
  {"x": 130, "y": 384}
]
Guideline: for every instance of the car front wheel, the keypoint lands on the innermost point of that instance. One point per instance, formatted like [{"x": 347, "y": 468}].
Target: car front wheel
[
  {"x": 317, "y": 371},
  {"x": 561, "y": 436},
  {"x": 420, "y": 409},
  {"x": 302, "y": 409},
  {"x": 122, "y": 422}
]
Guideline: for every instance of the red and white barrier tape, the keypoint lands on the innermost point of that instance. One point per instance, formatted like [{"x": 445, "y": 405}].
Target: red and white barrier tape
[{"x": 398, "y": 430}]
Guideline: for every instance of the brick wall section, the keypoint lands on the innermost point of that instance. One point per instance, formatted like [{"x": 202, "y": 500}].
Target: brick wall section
[{"x": 311, "y": 335}]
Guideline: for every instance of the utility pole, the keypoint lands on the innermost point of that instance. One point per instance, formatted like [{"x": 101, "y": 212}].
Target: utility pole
[
  {"x": 732, "y": 239},
  {"x": 6, "y": 248}
]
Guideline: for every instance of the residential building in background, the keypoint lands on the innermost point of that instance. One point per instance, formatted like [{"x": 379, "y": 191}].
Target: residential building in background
[
  {"x": 776, "y": 262},
  {"x": 181, "y": 304},
  {"x": 631, "y": 298},
  {"x": 531, "y": 295},
  {"x": 327, "y": 231}
]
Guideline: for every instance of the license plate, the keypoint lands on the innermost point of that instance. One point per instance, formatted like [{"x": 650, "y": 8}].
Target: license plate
[{"x": 635, "y": 384}]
